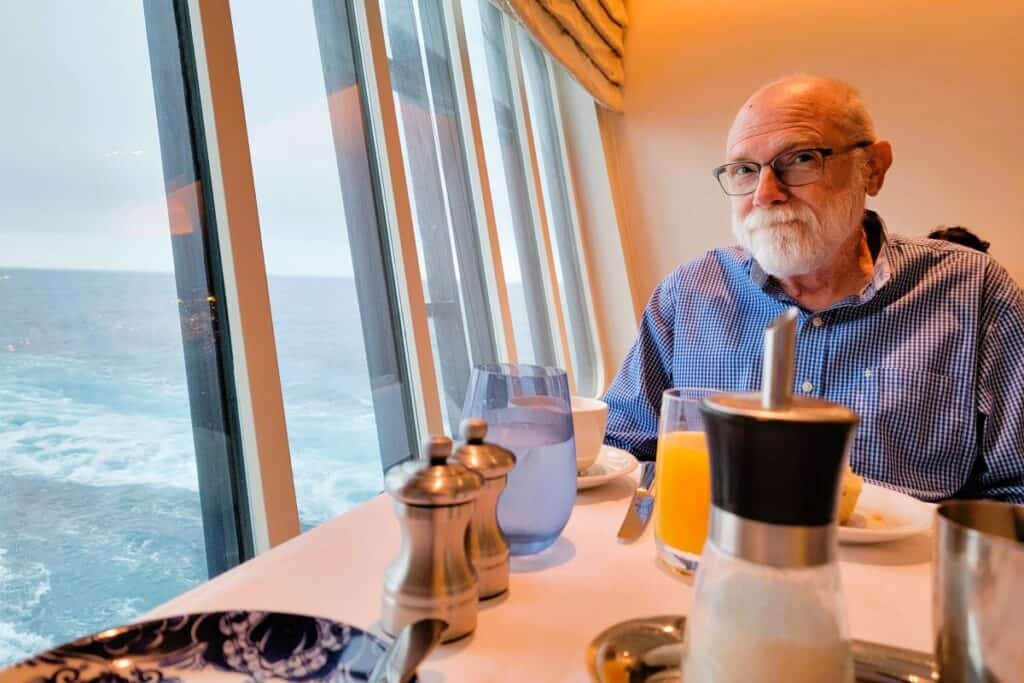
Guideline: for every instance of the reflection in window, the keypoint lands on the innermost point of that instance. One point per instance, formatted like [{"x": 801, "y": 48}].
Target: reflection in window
[
  {"x": 557, "y": 197},
  {"x": 113, "y": 385},
  {"x": 342, "y": 381},
  {"x": 447, "y": 240},
  {"x": 510, "y": 181}
]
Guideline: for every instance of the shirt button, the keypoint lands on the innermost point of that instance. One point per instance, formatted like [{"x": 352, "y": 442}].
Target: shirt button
[
  {"x": 807, "y": 387},
  {"x": 817, "y": 322},
  {"x": 867, "y": 374}
]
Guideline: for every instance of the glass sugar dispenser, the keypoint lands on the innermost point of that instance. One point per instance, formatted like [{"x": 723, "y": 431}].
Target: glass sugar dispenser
[{"x": 768, "y": 604}]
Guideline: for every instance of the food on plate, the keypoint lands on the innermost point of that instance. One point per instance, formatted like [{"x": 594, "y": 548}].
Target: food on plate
[{"x": 848, "y": 495}]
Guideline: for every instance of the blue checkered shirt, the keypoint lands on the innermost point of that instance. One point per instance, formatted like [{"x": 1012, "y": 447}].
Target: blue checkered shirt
[{"x": 930, "y": 356}]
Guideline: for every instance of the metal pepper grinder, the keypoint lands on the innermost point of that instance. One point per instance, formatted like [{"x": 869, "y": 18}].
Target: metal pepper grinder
[
  {"x": 432, "y": 576},
  {"x": 485, "y": 544}
]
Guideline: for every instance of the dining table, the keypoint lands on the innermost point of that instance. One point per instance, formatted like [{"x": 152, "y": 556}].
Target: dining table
[{"x": 558, "y": 599}]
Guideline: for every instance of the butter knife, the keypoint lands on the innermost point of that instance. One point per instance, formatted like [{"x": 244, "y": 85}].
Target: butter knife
[{"x": 640, "y": 507}]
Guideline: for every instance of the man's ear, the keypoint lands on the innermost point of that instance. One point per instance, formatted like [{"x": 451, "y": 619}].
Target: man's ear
[{"x": 879, "y": 159}]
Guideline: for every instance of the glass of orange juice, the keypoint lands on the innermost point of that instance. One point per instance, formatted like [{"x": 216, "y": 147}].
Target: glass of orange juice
[{"x": 682, "y": 497}]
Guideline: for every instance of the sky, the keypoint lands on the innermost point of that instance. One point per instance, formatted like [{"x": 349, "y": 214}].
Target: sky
[
  {"x": 81, "y": 184},
  {"x": 80, "y": 176}
]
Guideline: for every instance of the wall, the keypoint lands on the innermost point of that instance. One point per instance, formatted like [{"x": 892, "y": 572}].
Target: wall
[{"x": 944, "y": 82}]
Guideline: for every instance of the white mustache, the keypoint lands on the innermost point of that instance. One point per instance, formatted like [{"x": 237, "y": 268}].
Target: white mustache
[{"x": 779, "y": 217}]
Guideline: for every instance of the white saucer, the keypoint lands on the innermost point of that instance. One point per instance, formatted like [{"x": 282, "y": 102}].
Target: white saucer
[
  {"x": 884, "y": 515},
  {"x": 611, "y": 463}
]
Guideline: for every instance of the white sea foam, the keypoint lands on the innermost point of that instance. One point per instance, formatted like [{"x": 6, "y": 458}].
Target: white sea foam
[
  {"x": 22, "y": 587},
  {"x": 64, "y": 440},
  {"x": 326, "y": 488},
  {"x": 61, "y": 439},
  {"x": 16, "y": 644},
  {"x": 94, "y": 394},
  {"x": 28, "y": 584}
]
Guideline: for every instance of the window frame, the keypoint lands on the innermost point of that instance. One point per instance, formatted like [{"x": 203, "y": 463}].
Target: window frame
[
  {"x": 399, "y": 421},
  {"x": 260, "y": 408},
  {"x": 258, "y": 464},
  {"x": 575, "y": 239},
  {"x": 257, "y": 390},
  {"x": 537, "y": 219}
]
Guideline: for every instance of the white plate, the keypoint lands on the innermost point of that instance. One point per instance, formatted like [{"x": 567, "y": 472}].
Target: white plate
[
  {"x": 611, "y": 463},
  {"x": 885, "y": 515}
]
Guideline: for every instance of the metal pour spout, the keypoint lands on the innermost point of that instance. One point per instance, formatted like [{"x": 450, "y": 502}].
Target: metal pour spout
[{"x": 778, "y": 364}]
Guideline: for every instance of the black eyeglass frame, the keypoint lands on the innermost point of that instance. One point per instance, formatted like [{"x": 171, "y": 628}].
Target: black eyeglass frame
[{"x": 825, "y": 153}]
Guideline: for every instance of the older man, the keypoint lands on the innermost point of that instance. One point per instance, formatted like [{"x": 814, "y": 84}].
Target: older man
[{"x": 923, "y": 339}]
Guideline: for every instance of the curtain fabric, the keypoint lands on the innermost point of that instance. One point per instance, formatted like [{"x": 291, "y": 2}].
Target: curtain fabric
[{"x": 585, "y": 36}]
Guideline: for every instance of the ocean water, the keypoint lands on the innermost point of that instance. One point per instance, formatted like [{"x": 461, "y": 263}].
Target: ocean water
[{"x": 99, "y": 509}]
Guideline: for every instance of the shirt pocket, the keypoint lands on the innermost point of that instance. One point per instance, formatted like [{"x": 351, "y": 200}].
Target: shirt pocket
[{"x": 914, "y": 431}]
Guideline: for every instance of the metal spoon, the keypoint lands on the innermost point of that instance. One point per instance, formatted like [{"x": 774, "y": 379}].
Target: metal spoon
[{"x": 409, "y": 649}]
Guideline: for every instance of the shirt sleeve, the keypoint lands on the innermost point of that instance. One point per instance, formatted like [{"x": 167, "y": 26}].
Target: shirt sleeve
[
  {"x": 634, "y": 398},
  {"x": 1001, "y": 388}
]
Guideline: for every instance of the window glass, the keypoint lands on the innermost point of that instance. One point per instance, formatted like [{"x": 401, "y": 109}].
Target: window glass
[
  {"x": 120, "y": 482},
  {"x": 447, "y": 239},
  {"x": 509, "y": 175},
  {"x": 330, "y": 294},
  {"x": 557, "y": 198}
]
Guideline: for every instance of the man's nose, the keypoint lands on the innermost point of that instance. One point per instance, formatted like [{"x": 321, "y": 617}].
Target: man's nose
[{"x": 769, "y": 190}]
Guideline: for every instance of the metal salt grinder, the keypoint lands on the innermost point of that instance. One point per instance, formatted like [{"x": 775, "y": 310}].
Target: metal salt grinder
[
  {"x": 485, "y": 544},
  {"x": 432, "y": 576}
]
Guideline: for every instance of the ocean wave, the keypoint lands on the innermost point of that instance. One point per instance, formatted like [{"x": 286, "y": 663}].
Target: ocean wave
[
  {"x": 16, "y": 644},
  {"x": 323, "y": 491},
  {"x": 79, "y": 443},
  {"x": 22, "y": 585}
]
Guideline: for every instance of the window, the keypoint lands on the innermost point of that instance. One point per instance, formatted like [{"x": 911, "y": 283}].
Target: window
[
  {"x": 561, "y": 217},
  {"x": 508, "y": 169},
  {"x": 447, "y": 234},
  {"x": 343, "y": 382},
  {"x": 130, "y": 263},
  {"x": 119, "y": 475}
]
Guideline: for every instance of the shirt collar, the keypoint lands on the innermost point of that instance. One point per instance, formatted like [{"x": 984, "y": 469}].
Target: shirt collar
[{"x": 878, "y": 241}]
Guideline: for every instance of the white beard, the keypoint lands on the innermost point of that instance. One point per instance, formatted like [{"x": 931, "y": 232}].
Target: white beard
[{"x": 788, "y": 239}]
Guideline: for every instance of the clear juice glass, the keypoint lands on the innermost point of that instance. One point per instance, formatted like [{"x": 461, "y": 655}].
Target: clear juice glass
[{"x": 682, "y": 498}]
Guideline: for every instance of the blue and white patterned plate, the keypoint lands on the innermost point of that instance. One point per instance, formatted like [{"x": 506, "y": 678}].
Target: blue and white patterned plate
[{"x": 209, "y": 647}]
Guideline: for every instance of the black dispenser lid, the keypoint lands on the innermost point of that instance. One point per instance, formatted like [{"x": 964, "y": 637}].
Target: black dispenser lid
[
  {"x": 777, "y": 465},
  {"x": 776, "y": 457}
]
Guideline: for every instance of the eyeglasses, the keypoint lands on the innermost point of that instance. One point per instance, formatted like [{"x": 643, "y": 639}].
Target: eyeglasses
[{"x": 793, "y": 169}]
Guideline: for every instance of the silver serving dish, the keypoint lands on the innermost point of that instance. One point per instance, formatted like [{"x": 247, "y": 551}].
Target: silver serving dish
[{"x": 649, "y": 650}]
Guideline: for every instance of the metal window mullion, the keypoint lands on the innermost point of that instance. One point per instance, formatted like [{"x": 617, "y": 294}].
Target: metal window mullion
[
  {"x": 260, "y": 405},
  {"x": 459, "y": 290},
  {"x": 563, "y": 162},
  {"x": 387, "y": 148},
  {"x": 535, "y": 187},
  {"x": 368, "y": 237},
  {"x": 479, "y": 180}
]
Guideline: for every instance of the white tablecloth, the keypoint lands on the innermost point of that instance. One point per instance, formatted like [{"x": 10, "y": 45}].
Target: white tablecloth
[{"x": 558, "y": 601}]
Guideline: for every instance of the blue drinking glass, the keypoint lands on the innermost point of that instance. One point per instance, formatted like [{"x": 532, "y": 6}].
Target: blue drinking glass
[{"x": 528, "y": 411}]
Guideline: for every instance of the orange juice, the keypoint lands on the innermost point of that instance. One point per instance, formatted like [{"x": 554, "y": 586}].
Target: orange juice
[{"x": 682, "y": 496}]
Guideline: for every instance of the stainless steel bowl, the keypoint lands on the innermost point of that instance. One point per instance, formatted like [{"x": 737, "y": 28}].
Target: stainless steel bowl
[{"x": 978, "y": 611}]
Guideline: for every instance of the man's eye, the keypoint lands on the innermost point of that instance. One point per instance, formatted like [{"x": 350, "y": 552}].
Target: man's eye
[
  {"x": 741, "y": 170},
  {"x": 800, "y": 159}
]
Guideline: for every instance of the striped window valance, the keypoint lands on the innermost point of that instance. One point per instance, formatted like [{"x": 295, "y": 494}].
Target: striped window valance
[{"x": 585, "y": 36}]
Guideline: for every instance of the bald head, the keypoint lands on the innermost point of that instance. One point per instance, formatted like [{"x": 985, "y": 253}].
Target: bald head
[{"x": 825, "y": 108}]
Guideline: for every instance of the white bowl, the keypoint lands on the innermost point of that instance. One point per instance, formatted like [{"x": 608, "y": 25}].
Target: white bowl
[{"x": 589, "y": 419}]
